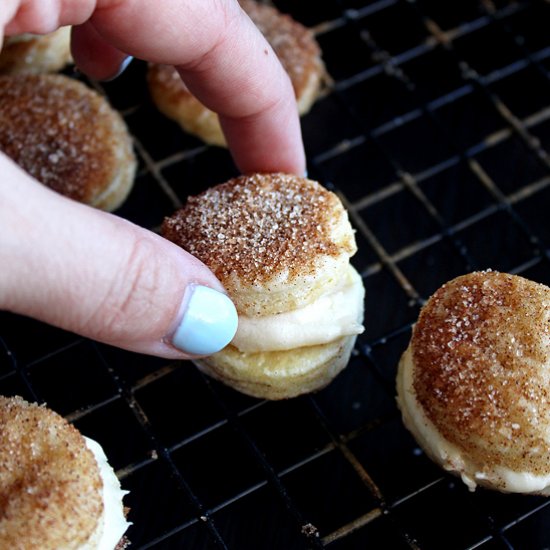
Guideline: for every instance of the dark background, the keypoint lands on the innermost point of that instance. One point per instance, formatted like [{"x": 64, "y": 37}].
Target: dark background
[{"x": 435, "y": 132}]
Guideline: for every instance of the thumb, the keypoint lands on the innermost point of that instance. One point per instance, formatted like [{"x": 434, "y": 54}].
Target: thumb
[{"x": 104, "y": 278}]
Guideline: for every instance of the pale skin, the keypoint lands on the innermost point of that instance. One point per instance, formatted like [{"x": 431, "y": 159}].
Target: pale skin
[{"x": 91, "y": 272}]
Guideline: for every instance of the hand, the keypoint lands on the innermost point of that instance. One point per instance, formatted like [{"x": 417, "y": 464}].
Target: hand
[{"x": 101, "y": 276}]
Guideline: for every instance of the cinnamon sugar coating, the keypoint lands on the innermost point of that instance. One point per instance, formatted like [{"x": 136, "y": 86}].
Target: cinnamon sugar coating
[
  {"x": 50, "y": 486},
  {"x": 481, "y": 355},
  {"x": 257, "y": 227}
]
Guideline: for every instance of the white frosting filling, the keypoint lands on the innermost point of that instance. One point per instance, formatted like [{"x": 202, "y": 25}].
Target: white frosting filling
[
  {"x": 332, "y": 316},
  {"x": 112, "y": 525},
  {"x": 449, "y": 456}
]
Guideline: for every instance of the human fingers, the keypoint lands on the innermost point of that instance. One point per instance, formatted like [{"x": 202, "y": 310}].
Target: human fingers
[
  {"x": 96, "y": 57},
  {"x": 223, "y": 58},
  {"x": 104, "y": 278}
]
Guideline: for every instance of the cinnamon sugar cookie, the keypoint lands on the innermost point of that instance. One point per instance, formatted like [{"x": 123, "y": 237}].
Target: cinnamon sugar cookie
[
  {"x": 68, "y": 137},
  {"x": 281, "y": 245},
  {"x": 56, "y": 487},
  {"x": 474, "y": 383}
]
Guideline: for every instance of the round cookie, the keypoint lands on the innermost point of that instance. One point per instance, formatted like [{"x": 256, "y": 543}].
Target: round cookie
[
  {"x": 68, "y": 137},
  {"x": 294, "y": 45},
  {"x": 51, "y": 484},
  {"x": 35, "y": 54},
  {"x": 474, "y": 385},
  {"x": 281, "y": 246}
]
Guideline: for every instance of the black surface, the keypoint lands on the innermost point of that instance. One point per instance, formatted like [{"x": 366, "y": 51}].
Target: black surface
[{"x": 435, "y": 131}]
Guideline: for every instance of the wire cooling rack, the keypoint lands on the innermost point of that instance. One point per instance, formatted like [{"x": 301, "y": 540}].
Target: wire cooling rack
[{"x": 435, "y": 131}]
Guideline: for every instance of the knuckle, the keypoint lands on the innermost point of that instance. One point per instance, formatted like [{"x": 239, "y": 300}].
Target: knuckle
[{"x": 131, "y": 295}]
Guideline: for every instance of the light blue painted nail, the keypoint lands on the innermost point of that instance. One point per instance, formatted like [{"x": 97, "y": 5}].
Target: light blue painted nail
[
  {"x": 209, "y": 322},
  {"x": 121, "y": 68}
]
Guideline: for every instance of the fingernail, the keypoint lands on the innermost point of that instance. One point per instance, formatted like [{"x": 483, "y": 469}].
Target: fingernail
[
  {"x": 305, "y": 174},
  {"x": 122, "y": 67},
  {"x": 209, "y": 321}
]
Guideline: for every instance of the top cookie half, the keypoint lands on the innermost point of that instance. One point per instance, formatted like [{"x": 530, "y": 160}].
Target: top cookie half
[{"x": 275, "y": 241}]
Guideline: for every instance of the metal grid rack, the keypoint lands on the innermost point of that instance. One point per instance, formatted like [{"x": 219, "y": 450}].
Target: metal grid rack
[{"x": 435, "y": 132}]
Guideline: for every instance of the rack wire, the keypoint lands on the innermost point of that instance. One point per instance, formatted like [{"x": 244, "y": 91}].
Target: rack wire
[{"x": 435, "y": 133}]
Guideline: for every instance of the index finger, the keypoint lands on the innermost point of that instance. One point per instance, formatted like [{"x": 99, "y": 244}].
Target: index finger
[{"x": 223, "y": 58}]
